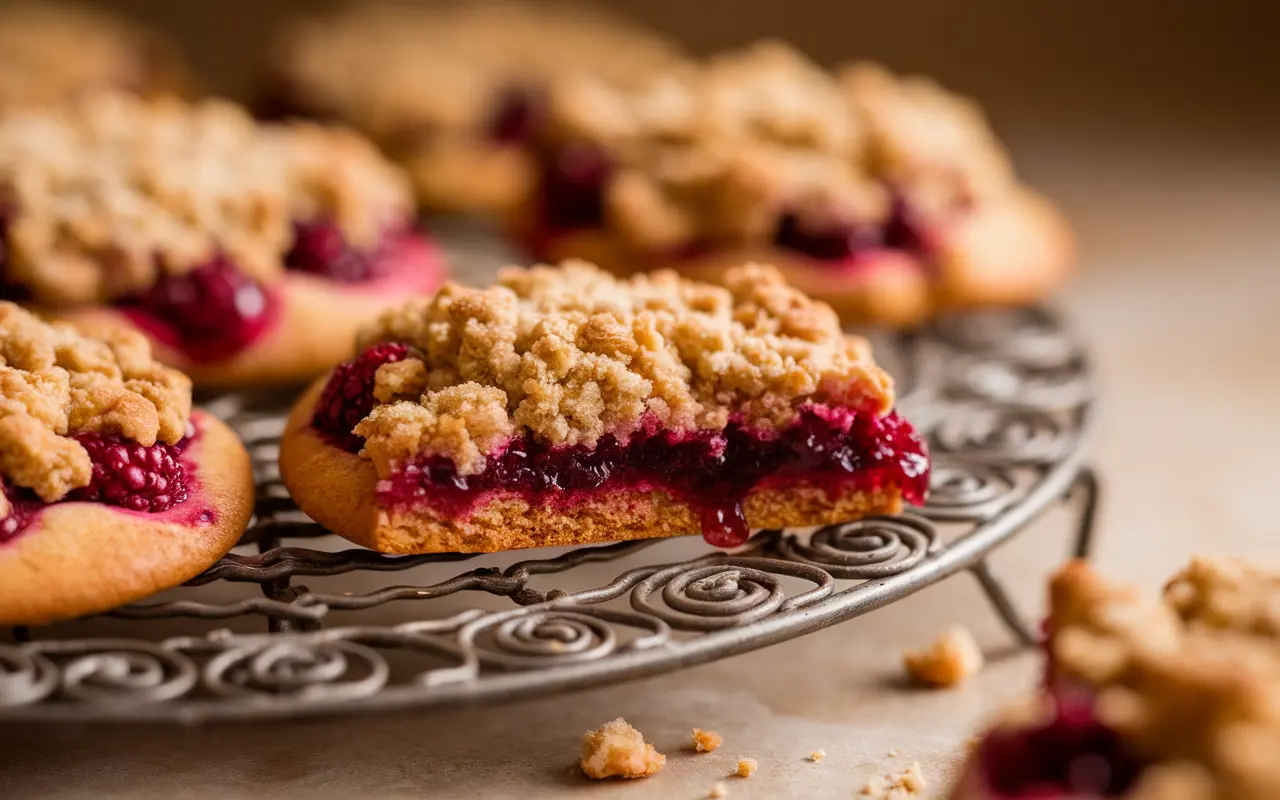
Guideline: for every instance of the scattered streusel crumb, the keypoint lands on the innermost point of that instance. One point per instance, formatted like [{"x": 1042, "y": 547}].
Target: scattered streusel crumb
[
  {"x": 817, "y": 755},
  {"x": 718, "y": 791},
  {"x": 949, "y": 661},
  {"x": 617, "y": 750},
  {"x": 893, "y": 753},
  {"x": 908, "y": 783},
  {"x": 746, "y": 767},
  {"x": 706, "y": 741}
]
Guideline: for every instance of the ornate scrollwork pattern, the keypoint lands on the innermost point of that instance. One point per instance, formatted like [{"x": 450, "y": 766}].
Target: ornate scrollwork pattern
[
  {"x": 875, "y": 547},
  {"x": 1002, "y": 397}
]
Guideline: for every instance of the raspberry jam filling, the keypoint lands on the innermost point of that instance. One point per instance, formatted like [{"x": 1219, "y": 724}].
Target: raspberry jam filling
[
  {"x": 348, "y": 396},
  {"x": 571, "y": 198},
  {"x": 1072, "y": 756},
  {"x": 321, "y": 248},
  {"x": 210, "y": 313},
  {"x": 517, "y": 115},
  {"x": 150, "y": 479}
]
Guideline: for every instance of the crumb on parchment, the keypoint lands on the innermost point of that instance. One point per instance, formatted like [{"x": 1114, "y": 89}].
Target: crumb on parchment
[
  {"x": 706, "y": 741},
  {"x": 898, "y": 786},
  {"x": 746, "y": 767},
  {"x": 617, "y": 750},
  {"x": 949, "y": 661}
]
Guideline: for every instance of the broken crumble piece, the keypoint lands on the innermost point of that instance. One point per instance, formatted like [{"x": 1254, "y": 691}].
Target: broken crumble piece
[
  {"x": 617, "y": 750},
  {"x": 746, "y": 767},
  {"x": 817, "y": 755},
  {"x": 706, "y": 741},
  {"x": 949, "y": 661},
  {"x": 718, "y": 791},
  {"x": 908, "y": 783}
]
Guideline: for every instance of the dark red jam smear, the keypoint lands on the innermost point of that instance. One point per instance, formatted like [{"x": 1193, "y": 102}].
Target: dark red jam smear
[
  {"x": 348, "y": 395},
  {"x": 1073, "y": 756},
  {"x": 209, "y": 314},
  {"x": 321, "y": 248},
  {"x": 834, "y": 448},
  {"x": 571, "y": 198},
  {"x": 23, "y": 507}
]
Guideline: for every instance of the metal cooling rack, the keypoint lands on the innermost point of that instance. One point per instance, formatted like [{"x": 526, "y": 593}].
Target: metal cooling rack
[{"x": 1005, "y": 399}]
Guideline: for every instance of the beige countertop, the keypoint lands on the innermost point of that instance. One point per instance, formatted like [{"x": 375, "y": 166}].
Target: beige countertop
[{"x": 1178, "y": 296}]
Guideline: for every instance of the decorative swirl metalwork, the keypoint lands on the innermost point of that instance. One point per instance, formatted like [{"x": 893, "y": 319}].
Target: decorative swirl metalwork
[
  {"x": 308, "y": 667},
  {"x": 119, "y": 671},
  {"x": 1004, "y": 437},
  {"x": 725, "y": 592},
  {"x": 875, "y": 547},
  {"x": 1004, "y": 381},
  {"x": 968, "y": 492},
  {"x": 25, "y": 676}
]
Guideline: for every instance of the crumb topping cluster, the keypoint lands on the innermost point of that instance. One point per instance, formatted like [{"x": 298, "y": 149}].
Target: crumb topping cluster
[
  {"x": 101, "y": 196},
  {"x": 1191, "y": 683},
  {"x": 50, "y": 52},
  {"x": 570, "y": 354},
  {"x": 720, "y": 152},
  {"x": 392, "y": 69},
  {"x": 617, "y": 750},
  {"x": 55, "y": 381}
]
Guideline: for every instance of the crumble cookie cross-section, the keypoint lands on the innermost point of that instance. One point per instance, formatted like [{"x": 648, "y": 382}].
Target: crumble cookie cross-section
[
  {"x": 453, "y": 92},
  {"x": 887, "y": 197},
  {"x": 111, "y": 487},
  {"x": 247, "y": 253},
  {"x": 53, "y": 51},
  {"x": 565, "y": 406},
  {"x": 1172, "y": 700}
]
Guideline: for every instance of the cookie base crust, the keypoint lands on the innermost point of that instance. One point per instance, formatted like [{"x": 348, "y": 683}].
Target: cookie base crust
[
  {"x": 456, "y": 175},
  {"x": 338, "y": 490},
  {"x": 317, "y": 325},
  {"x": 1008, "y": 252},
  {"x": 84, "y": 558}
]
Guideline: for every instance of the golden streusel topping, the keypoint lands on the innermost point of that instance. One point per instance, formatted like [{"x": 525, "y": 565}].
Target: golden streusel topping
[
  {"x": 56, "y": 381},
  {"x": 718, "y": 152},
  {"x": 571, "y": 353},
  {"x": 103, "y": 195},
  {"x": 1192, "y": 684},
  {"x": 391, "y": 68},
  {"x": 51, "y": 52}
]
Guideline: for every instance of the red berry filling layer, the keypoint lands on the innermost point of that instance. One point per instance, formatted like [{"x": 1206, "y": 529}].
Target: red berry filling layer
[
  {"x": 210, "y": 313},
  {"x": 835, "y": 449},
  {"x": 1073, "y": 756},
  {"x": 321, "y": 248},
  {"x": 125, "y": 475},
  {"x": 517, "y": 115},
  {"x": 571, "y": 198}
]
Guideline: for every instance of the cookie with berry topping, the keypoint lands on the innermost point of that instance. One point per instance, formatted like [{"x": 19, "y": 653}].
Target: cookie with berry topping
[
  {"x": 247, "y": 253},
  {"x": 1147, "y": 700},
  {"x": 886, "y": 197},
  {"x": 51, "y": 52},
  {"x": 111, "y": 487},
  {"x": 566, "y": 406},
  {"x": 455, "y": 92}
]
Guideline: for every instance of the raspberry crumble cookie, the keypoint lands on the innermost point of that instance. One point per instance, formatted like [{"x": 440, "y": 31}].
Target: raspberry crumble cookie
[
  {"x": 566, "y": 406},
  {"x": 886, "y": 197},
  {"x": 1173, "y": 700},
  {"x": 51, "y": 52},
  {"x": 111, "y": 487},
  {"x": 452, "y": 92},
  {"x": 248, "y": 253}
]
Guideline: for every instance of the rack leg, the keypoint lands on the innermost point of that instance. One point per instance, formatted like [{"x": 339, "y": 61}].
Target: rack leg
[
  {"x": 1085, "y": 487},
  {"x": 1004, "y": 605}
]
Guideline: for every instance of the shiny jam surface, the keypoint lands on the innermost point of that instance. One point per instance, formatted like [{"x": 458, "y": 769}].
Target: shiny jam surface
[
  {"x": 835, "y": 449},
  {"x": 1073, "y": 756}
]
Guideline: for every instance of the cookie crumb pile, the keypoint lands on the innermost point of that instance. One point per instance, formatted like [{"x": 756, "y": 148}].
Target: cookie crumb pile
[
  {"x": 746, "y": 767},
  {"x": 55, "y": 381},
  {"x": 897, "y": 786},
  {"x": 617, "y": 750},
  {"x": 949, "y": 661}
]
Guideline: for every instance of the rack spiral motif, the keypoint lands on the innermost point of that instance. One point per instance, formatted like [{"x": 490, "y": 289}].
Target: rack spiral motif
[{"x": 1004, "y": 398}]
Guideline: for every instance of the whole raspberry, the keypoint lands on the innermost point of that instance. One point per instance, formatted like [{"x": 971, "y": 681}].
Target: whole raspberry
[
  {"x": 348, "y": 396},
  {"x": 129, "y": 475},
  {"x": 320, "y": 248},
  {"x": 212, "y": 311}
]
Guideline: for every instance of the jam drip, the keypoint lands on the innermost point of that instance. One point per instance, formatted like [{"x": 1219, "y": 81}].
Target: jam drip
[
  {"x": 1073, "y": 755},
  {"x": 835, "y": 449},
  {"x": 209, "y": 314}
]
